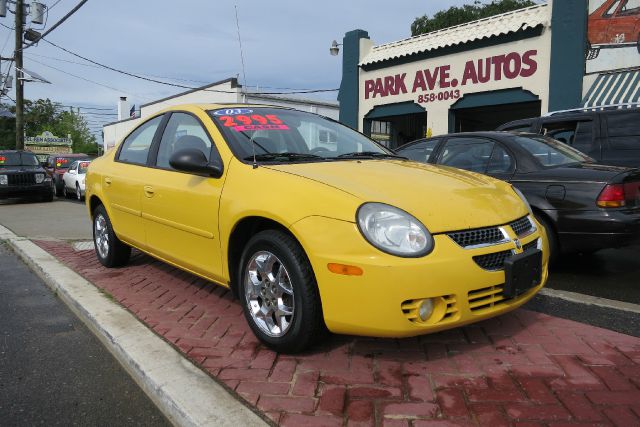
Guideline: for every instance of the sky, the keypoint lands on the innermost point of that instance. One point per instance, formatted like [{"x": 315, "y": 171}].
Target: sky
[{"x": 195, "y": 42}]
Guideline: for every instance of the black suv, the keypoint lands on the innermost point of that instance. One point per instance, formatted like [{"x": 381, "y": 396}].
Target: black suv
[
  {"x": 611, "y": 136},
  {"x": 21, "y": 175}
]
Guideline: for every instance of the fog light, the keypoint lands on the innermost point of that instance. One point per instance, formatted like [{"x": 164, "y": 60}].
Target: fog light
[{"x": 426, "y": 308}]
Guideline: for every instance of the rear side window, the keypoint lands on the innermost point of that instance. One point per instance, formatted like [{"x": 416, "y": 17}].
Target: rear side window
[
  {"x": 624, "y": 131},
  {"x": 419, "y": 151},
  {"x": 576, "y": 134},
  {"x": 135, "y": 148},
  {"x": 472, "y": 154}
]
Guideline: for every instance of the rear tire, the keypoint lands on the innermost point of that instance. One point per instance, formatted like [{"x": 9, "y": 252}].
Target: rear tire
[
  {"x": 552, "y": 238},
  {"x": 111, "y": 252},
  {"x": 276, "y": 278},
  {"x": 78, "y": 193}
]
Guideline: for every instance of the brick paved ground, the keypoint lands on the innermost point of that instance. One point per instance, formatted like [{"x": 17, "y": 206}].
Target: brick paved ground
[{"x": 524, "y": 368}]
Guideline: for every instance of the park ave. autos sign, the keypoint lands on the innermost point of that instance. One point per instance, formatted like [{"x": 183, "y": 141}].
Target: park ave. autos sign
[
  {"x": 437, "y": 79},
  {"x": 442, "y": 82}
]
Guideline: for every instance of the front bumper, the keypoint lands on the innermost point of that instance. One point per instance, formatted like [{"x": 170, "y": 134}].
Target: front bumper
[
  {"x": 382, "y": 301},
  {"x": 16, "y": 191},
  {"x": 598, "y": 229}
]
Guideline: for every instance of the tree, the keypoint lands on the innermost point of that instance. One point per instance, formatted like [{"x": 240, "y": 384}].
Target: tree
[
  {"x": 42, "y": 115},
  {"x": 466, "y": 13}
]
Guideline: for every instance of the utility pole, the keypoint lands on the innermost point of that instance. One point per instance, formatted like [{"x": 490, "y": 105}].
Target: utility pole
[{"x": 19, "y": 75}]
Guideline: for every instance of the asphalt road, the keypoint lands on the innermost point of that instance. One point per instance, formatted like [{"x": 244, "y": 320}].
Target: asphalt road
[
  {"x": 60, "y": 219},
  {"x": 53, "y": 371}
]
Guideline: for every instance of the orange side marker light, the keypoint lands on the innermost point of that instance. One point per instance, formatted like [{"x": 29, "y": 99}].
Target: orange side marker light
[{"x": 347, "y": 270}]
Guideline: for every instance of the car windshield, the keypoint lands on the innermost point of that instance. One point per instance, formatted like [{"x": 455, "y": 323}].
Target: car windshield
[
  {"x": 550, "y": 152},
  {"x": 82, "y": 167},
  {"x": 281, "y": 135},
  {"x": 18, "y": 159}
]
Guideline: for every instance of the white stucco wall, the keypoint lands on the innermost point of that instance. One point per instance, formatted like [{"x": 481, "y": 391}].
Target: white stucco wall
[
  {"x": 438, "y": 110},
  {"x": 114, "y": 133}
]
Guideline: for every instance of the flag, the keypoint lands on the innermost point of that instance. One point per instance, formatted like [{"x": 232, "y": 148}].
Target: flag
[{"x": 132, "y": 112}]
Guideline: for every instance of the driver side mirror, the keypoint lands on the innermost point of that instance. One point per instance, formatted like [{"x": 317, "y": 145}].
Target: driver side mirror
[{"x": 194, "y": 161}]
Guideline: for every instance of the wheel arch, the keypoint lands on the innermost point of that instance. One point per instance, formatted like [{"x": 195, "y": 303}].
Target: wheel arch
[
  {"x": 240, "y": 235},
  {"x": 94, "y": 202}
]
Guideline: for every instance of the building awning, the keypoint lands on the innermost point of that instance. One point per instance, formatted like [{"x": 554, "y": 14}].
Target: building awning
[
  {"x": 506, "y": 23},
  {"x": 614, "y": 89}
]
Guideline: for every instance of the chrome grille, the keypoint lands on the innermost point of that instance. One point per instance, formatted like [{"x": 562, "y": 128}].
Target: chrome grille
[
  {"x": 522, "y": 226},
  {"x": 21, "y": 179},
  {"x": 478, "y": 236},
  {"x": 494, "y": 261}
]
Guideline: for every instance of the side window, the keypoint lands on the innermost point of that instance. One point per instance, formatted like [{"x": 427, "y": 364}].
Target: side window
[
  {"x": 631, "y": 7},
  {"x": 74, "y": 167},
  {"x": 623, "y": 130},
  {"x": 135, "y": 148},
  {"x": 472, "y": 154},
  {"x": 577, "y": 134},
  {"x": 182, "y": 131},
  {"x": 420, "y": 151},
  {"x": 612, "y": 9},
  {"x": 501, "y": 162}
]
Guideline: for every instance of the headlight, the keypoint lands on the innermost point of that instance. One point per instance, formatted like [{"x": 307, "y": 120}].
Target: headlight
[
  {"x": 39, "y": 178},
  {"x": 524, "y": 199},
  {"x": 393, "y": 231},
  {"x": 4, "y": 180}
]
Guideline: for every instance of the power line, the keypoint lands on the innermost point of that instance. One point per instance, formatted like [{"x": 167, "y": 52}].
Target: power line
[
  {"x": 79, "y": 77},
  {"x": 57, "y": 24},
  {"x": 175, "y": 84},
  {"x": 54, "y": 5}
]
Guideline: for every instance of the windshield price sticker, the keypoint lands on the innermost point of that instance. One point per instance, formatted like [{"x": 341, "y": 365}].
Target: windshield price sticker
[
  {"x": 242, "y": 122},
  {"x": 244, "y": 128},
  {"x": 84, "y": 164},
  {"x": 232, "y": 112},
  {"x": 2, "y": 159}
]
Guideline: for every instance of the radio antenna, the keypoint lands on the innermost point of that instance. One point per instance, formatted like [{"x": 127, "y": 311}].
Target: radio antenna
[{"x": 244, "y": 76}]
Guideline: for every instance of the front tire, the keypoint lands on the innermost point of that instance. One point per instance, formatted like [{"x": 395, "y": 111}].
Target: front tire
[
  {"x": 78, "y": 193},
  {"x": 279, "y": 292},
  {"x": 110, "y": 250}
]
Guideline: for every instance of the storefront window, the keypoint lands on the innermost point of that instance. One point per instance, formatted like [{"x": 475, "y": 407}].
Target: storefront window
[{"x": 381, "y": 132}]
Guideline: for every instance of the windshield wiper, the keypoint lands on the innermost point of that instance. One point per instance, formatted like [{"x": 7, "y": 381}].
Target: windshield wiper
[
  {"x": 284, "y": 156},
  {"x": 369, "y": 154}
]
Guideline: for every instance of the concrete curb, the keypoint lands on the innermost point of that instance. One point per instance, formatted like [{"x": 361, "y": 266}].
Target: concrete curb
[
  {"x": 186, "y": 395},
  {"x": 591, "y": 300}
]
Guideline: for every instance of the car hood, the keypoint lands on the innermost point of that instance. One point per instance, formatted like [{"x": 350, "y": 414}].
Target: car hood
[
  {"x": 579, "y": 172},
  {"x": 442, "y": 198}
]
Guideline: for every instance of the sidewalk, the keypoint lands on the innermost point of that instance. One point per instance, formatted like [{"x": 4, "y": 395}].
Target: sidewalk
[{"x": 524, "y": 368}]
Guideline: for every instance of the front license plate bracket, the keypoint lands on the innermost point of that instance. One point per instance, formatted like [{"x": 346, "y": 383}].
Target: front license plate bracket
[{"x": 522, "y": 272}]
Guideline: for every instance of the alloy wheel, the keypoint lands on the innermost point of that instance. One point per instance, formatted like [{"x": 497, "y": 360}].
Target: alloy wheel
[
  {"x": 101, "y": 233},
  {"x": 269, "y": 294}
]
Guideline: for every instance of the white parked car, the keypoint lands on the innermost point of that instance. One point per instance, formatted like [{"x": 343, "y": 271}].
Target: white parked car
[{"x": 73, "y": 179}]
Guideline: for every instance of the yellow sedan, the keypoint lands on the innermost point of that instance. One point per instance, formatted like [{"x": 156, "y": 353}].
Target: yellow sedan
[{"x": 314, "y": 226}]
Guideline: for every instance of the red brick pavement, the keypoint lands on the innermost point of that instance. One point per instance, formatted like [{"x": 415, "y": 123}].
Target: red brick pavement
[{"x": 522, "y": 369}]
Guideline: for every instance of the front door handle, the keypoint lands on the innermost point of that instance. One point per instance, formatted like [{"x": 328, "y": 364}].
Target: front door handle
[
  {"x": 148, "y": 191},
  {"x": 107, "y": 181}
]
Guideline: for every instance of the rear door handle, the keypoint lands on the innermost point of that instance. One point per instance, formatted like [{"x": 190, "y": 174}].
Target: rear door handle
[{"x": 148, "y": 191}]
